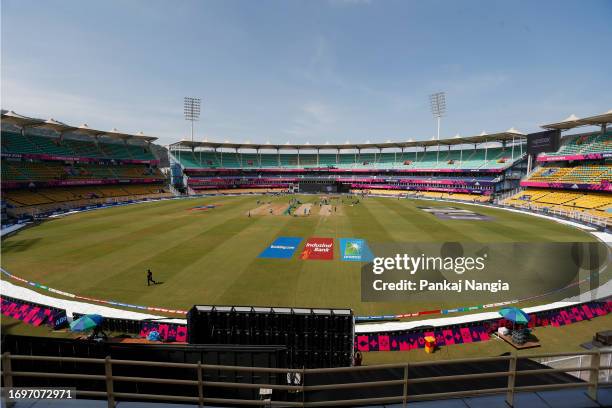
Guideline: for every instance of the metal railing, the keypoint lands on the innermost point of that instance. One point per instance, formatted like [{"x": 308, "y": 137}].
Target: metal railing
[
  {"x": 572, "y": 215},
  {"x": 545, "y": 209},
  {"x": 580, "y": 361},
  {"x": 300, "y": 392}
]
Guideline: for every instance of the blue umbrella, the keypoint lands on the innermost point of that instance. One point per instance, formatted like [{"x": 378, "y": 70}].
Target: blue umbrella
[
  {"x": 153, "y": 336},
  {"x": 515, "y": 315},
  {"x": 87, "y": 322}
]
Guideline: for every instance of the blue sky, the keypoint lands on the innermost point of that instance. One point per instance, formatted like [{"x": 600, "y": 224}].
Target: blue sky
[{"x": 309, "y": 70}]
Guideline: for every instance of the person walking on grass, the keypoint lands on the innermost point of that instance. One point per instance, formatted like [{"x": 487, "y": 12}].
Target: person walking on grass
[{"x": 150, "y": 278}]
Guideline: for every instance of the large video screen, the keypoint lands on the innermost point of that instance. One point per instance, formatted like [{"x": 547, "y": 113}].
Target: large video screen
[{"x": 543, "y": 142}]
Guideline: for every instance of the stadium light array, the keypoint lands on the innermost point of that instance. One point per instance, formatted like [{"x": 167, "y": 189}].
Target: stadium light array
[
  {"x": 438, "y": 107},
  {"x": 192, "y": 111}
]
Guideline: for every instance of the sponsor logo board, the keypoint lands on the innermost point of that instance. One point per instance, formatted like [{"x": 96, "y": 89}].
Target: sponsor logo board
[
  {"x": 319, "y": 248},
  {"x": 355, "y": 249},
  {"x": 282, "y": 247}
]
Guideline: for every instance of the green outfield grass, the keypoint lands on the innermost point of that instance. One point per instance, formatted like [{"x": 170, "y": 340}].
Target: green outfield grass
[{"x": 211, "y": 257}]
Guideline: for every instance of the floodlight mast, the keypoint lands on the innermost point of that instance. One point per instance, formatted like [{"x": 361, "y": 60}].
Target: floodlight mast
[
  {"x": 192, "y": 111},
  {"x": 438, "y": 108}
]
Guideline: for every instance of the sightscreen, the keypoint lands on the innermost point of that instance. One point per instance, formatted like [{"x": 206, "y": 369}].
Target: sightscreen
[{"x": 318, "y": 188}]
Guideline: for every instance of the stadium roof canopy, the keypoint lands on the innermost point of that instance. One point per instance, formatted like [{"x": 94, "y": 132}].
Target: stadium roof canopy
[
  {"x": 573, "y": 121},
  {"x": 19, "y": 120},
  {"x": 54, "y": 125},
  {"x": 510, "y": 134},
  {"x": 24, "y": 122}
]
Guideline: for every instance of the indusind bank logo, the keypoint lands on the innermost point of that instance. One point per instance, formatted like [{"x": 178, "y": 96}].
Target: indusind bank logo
[{"x": 319, "y": 248}]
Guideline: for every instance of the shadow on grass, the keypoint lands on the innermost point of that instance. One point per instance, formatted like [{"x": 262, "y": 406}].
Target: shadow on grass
[
  {"x": 7, "y": 326},
  {"x": 18, "y": 245}
]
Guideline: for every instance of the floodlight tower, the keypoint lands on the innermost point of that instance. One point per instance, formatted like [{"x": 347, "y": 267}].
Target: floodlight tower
[
  {"x": 192, "y": 111},
  {"x": 438, "y": 107}
]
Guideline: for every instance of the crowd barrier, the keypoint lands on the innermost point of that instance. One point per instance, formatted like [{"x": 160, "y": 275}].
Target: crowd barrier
[
  {"x": 168, "y": 332},
  {"x": 405, "y": 340},
  {"x": 588, "y": 219},
  {"x": 28, "y": 313},
  {"x": 477, "y": 331},
  {"x": 36, "y": 315}
]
